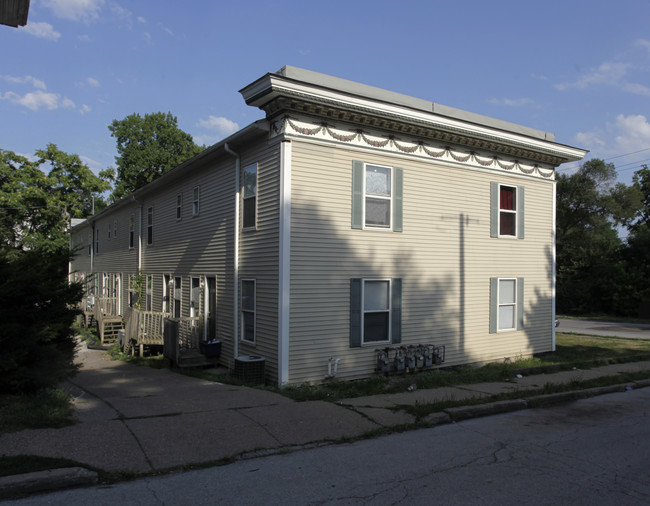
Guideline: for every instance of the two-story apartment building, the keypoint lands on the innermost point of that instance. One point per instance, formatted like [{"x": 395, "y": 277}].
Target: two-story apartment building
[{"x": 350, "y": 219}]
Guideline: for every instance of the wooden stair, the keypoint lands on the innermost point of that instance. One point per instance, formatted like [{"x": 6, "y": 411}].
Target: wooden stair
[
  {"x": 194, "y": 358},
  {"x": 108, "y": 329}
]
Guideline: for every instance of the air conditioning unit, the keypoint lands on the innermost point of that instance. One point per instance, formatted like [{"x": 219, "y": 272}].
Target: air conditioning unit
[{"x": 249, "y": 369}]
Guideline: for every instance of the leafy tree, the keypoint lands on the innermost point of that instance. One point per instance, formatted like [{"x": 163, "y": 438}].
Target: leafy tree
[
  {"x": 637, "y": 254},
  {"x": 37, "y": 200},
  {"x": 36, "y": 206},
  {"x": 591, "y": 273},
  {"x": 148, "y": 147}
]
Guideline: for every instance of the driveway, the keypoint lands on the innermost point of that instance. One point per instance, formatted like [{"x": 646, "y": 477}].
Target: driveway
[{"x": 597, "y": 328}]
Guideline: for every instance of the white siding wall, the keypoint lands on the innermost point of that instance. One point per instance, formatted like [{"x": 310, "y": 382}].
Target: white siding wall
[
  {"x": 445, "y": 257},
  {"x": 259, "y": 256}
]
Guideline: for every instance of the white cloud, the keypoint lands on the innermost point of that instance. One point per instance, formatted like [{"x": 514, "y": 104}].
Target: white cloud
[
  {"x": 636, "y": 89},
  {"x": 41, "y": 30},
  {"x": 84, "y": 109},
  {"x": 165, "y": 29},
  {"x": 36, "y": 100},
  {"x": 37, "y": 83},
  {"x": 633, "y": 133},
  {"x": 627, "y": 134},
  {"x": 221, "y": 125},
  {"x": 511, "y": 102},
  {"x": 75, "y": 10},
  {"x": 643, "y": 43},
  {"x": 93, "y": 82},
  {"x": 608, "y": 73},
  {"x": 141, "y": 20}
]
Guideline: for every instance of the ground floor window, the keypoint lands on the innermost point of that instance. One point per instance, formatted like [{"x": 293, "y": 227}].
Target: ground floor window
[
  {"x": 248, "y": 296},
  {"x": 506, "y": 304},
  {"x": 375, "y": 311}
]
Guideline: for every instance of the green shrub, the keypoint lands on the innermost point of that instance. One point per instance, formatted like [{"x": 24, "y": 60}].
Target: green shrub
[{"x": 37, "y": 309}]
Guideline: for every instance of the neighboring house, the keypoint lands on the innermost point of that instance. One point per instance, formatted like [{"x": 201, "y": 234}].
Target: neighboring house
[
  {"x": 351, "y": 219},
  {"x": 14, "y": 12}
]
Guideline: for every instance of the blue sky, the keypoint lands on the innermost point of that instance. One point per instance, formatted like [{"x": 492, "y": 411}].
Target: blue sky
[{"x": 579, "y": 69}]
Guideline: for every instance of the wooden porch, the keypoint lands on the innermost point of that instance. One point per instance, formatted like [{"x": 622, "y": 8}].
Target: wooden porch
[
  {"x": 143, "y": 328},
  {"x": 183, "y": 343}
]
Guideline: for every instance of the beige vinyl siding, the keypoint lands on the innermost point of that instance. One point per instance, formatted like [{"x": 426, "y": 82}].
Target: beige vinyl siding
[
  {"x": 196, "y": 245},
  {"x": 114, "y": 253},
  {"x": 445, "y": 258},
  {"x": 79, "y": 243},
  {"x": 259, "y": 257}
]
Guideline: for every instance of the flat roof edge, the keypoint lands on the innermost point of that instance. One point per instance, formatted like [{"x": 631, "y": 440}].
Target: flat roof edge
[{"x": 392, "y": 97}]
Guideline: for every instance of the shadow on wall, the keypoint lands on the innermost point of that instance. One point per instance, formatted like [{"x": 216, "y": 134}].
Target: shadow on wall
[{"x": 439, "y": 295}]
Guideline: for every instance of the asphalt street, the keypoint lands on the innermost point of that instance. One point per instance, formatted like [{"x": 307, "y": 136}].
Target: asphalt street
[
  {"x": 596, "y": 328},
  {"x": 591, "y": 451}
]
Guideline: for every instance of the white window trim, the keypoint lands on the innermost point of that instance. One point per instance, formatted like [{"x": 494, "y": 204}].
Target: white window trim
[
  {"x": 242, "y": 310},
  {"x": 508, "y": 211},
  {"x": 196, "y": 201},
  {"x": 509, "y": 304},
  {"x": 363, "y": 311},
  {"x": 392, "y": 194}
]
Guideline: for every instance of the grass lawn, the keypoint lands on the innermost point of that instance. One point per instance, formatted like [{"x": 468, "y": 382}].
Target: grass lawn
[{"x": 571, "y": 351}]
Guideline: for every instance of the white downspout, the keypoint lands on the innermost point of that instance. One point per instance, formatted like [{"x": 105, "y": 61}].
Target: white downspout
[
  {"x": 139, "y": 239},
  {"x": 284, "y": 299},
  {"x": 236, "y": 255},
  {"x": 553, "y": 256}
]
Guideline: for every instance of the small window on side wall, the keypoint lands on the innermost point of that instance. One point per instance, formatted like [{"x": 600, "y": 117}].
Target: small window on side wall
[
  {"x": 179, "y": 206},
  {"x": 506, "y": 211},
  {"x": 248, "y": 296},
  {"x": 150, "y": 225},
  {"x": 249, "y": 214},
  {"x": 196, "y": 201}
]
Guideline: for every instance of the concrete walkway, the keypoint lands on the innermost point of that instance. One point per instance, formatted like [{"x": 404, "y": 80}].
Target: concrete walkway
[{"x": 140, "y": 420}]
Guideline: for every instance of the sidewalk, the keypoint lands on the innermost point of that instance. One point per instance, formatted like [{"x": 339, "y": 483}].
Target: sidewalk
[{"x": 140, "y": 420}]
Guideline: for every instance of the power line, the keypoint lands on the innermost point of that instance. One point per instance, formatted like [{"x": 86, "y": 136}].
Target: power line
[{"x": 613, "y": 158}]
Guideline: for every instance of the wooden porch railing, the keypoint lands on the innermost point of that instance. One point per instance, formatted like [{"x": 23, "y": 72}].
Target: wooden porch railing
[{"x": 144, "y": 328}]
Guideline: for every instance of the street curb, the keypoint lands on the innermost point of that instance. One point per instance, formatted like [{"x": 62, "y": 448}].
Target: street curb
[
  {"x": 492, "y": 408},
  {"x": 45, "y": 481}
]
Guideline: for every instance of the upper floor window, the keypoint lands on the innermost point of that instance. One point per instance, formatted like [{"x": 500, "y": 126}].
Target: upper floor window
[
  {"x": 195, "y": 201},
  {"x": 97, "y": 240},
  {"x": 179, "y": 206},
  {"x": 249, "y": 216},
  {"x": 507, "y": 211},
  {"x": 150, "y": 225},
  {"x": 90, "y": 243},
  {"x": 131, "y": 231},
  {"x": 377, "y": 196},
  {"x": 115, "y": 228}
]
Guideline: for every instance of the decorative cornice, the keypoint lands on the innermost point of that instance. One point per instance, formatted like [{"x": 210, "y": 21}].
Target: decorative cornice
[
  {"x": 397, "y": 124},
  {"x": 448, "y": 152}
]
